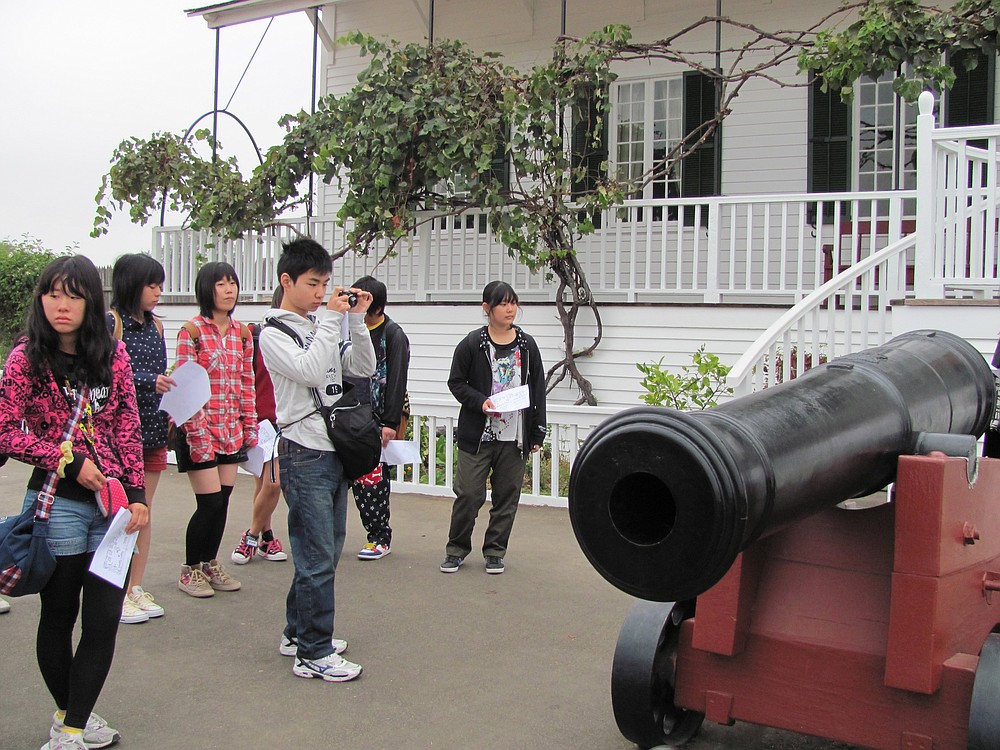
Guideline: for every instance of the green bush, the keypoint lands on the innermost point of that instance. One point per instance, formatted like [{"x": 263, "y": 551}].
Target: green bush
[
  {"x": 21, "y": 263},
  {"x": 698, "y": 386}
]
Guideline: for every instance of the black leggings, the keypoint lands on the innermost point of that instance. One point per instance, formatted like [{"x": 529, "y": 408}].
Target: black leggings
[
  {"x": 76, "y": 680},
  {"x": 207, "y": 525}
]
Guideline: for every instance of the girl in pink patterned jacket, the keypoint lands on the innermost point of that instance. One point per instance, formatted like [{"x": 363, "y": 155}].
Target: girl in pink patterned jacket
[{"x": 68, "y": 349}]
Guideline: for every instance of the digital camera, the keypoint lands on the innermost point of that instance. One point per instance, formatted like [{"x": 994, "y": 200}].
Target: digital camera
[{"x": 352, "y": 298}]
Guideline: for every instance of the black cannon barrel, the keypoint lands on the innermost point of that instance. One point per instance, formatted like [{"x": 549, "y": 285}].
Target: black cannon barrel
[{"x": 662, "y": 501}]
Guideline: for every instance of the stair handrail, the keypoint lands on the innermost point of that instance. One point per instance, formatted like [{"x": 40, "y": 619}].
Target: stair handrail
[{"x": 738, "y": 378}]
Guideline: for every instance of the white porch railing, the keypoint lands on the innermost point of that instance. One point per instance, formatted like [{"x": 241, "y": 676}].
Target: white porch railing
[
  {"x": 953, "y": 252},
  {"x": 761, "y": 248},
  {"x": 434, "y": 422}
]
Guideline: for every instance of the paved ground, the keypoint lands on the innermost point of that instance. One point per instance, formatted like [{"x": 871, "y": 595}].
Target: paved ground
[{"x": 465, "y": 660}]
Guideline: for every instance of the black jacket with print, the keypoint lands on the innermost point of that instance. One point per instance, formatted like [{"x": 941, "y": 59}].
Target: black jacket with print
[{"x": 471, "y": 380}]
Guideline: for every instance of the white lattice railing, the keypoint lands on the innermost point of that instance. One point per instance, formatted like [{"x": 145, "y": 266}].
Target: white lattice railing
[{"x": 434, "y": 422}]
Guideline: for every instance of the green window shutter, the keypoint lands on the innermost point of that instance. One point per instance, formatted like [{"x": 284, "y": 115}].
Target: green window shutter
[
  {"x": 829, "y": 168},
  {"x": 500, "y": 163},
  {"x": 970, "y": 99},
  {"x": 589, "y": 140},
  {"x": 699, "y": 171}
]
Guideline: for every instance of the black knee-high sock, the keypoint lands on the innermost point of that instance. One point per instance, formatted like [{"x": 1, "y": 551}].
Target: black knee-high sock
[
  {"x": 219, "y": 523},
  {"x": 201, "y": 543}
]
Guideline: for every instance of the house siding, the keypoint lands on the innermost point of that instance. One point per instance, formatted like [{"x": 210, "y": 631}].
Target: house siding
[
  {"x": 632, "y": 333},
  {"x": 764, "y": 139}
]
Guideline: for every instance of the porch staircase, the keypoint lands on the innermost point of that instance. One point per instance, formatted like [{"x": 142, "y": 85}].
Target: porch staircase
[{"x": 951, "y": 254}]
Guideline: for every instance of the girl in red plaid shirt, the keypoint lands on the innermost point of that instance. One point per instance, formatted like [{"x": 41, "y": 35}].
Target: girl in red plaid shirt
[{"x": 216, "y": 439}]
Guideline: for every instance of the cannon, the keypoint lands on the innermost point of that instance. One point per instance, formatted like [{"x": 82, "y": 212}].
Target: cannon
[{"x": 763, "y": 601}]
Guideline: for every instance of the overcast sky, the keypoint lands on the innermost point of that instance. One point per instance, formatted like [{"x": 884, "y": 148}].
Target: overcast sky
[{"x": 77, "y": 78}]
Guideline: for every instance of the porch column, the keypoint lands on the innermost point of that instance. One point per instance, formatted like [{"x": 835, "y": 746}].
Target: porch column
[{"x": 924, "y": 285}]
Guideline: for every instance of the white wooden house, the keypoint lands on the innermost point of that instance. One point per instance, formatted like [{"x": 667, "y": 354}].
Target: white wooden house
[{"x": 808, "y": 217}]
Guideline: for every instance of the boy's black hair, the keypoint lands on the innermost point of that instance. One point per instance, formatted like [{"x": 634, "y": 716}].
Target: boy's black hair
[
  {"x": 377, "y": 290},
  {"x": 204, "y": 285},
  {"x": 132, "y": 273},
  {"x": 303, "y": 255},
  {"x": 497, "y": 292}
]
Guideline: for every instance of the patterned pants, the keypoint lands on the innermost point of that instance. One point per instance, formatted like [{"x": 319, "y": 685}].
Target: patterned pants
[{"x": 371, "y": 494}]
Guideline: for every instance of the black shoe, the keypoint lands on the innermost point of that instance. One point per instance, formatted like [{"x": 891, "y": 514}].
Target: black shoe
[
  {"x": 452, "y": 563},
  {"x": 494, "y": 564}
]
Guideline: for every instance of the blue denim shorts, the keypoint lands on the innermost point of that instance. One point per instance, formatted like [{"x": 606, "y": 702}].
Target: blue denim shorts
[{"x": 75, "y": 527}]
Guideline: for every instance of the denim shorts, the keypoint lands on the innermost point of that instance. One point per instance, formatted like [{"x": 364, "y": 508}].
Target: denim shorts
[{"x": 75, "y": 526}]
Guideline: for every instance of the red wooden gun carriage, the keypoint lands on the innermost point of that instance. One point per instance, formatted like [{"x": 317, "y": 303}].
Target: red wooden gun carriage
[{"x": 761, "y": 601}]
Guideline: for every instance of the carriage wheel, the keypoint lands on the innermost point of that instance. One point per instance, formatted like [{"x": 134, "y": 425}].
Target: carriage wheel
[
  {"x": 642, "y": 676},
  {"x": 984, "y": 719}
]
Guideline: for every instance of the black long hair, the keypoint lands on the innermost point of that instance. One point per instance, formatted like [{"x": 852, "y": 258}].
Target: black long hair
[
  {"x": 94, "y": 345},
  {"x": 132, "y": 273},
  {"x": 499, "y": 292}
]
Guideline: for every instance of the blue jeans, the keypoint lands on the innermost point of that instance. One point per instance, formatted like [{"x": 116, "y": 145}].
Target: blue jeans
[
  {"x": 75, "y": 526},
  {"x": 316, "y": 492}
]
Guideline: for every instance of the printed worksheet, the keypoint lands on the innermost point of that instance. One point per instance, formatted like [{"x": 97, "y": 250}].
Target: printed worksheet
[
  {"x": 401, "y": 452},
  {"x": 514, "y": 399},
  {"x": 114, "y": 553},
  {"x": 190, "y": 394},
  {"x": 264, "y": 450}
]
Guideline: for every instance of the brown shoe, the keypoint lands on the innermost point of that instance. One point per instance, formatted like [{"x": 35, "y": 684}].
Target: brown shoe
[
  {"x": 218, "y": 578},
  {"x": 194, "y": 582}
]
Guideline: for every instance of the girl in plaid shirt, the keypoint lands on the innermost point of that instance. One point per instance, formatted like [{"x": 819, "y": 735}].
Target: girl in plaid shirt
[{"x": 215, "y": 439}]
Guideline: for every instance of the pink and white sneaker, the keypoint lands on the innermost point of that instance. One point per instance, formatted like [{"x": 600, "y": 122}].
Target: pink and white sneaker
[{"x": 271, "y": 550}]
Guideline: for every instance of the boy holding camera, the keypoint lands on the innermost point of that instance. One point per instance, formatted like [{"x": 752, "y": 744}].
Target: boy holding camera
[{"x": 312, "y": 477}]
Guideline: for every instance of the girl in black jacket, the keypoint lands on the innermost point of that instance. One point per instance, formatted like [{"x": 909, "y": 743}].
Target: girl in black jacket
[{"x": 495, "y": 445}]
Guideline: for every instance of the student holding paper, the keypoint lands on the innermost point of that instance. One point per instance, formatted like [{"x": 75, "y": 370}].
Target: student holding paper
[
  {"x": 136, "y": 286},
  {"x": 259, "y": 539},
  {"x": 66, "y": 361},
  {"x": 386, "y": 390},
  {"x": 216, "y": 439},
  {"x": 492, "y": 444}
]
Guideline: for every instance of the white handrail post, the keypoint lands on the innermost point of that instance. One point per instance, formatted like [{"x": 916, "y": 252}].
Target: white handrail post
[
  {"x": 712, "y": 293},
  {"x": 923, "y": 264},
  {"x": 424, "y": 236}
]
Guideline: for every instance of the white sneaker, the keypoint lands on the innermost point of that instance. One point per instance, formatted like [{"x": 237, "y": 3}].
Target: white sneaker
[
  {"x": 97, "y": 734},
  {"x": 332, "y": 668},
  {"x": 290, "y": 646},
  {"x": 4, "y": 606},
  {"x": 65, "y": 741},
  {"x": 131, "y": 614},
  {"x": 144, "y": 601}
]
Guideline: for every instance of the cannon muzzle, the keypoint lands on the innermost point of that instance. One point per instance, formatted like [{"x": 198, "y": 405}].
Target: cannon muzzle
[{"x": 662, "y": 501}]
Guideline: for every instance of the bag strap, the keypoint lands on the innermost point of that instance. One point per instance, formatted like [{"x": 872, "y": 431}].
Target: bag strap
[
  {"x": 43, "y": 505},
  {"x": 293, "y": 334},
  {"x": 116, "y": 331}
]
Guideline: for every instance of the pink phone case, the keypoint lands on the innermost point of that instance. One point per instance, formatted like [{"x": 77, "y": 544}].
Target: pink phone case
[{"x": 112, "y": 498}]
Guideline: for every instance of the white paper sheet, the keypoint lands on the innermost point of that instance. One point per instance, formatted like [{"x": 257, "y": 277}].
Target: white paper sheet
[
  {"x": 264, "y": 450},
  {"x": 514, "y": 399},
  {"x": 190, "y": 394},
  {"x": 401, "y": 452},
  {"x": 114, "y": 553}
]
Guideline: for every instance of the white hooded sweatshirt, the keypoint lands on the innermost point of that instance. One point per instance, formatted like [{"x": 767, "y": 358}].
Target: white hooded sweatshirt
[{"x": 321, "y": 365}]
